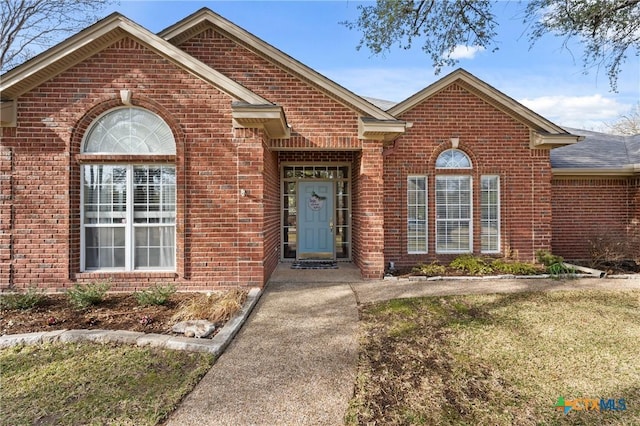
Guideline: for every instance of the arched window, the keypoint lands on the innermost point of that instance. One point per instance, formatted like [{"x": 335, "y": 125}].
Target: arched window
[
  {"x": 453, "y": 159},
  {"x": 128, "y": 208},
  {"x": 129, "y": 131}
]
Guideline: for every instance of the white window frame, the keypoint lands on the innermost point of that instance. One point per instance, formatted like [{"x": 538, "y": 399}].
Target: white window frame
[
  {"x": 469, "y": 219},
  {"x": 130, "y": 131},
  {"x": 484, "y": 223},
  {"x": 413, "y": 221},
  {"x": 129, "y": 226}
]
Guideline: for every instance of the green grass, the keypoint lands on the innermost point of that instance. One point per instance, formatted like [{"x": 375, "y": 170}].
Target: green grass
[
  {"x": 498, "y": 359},
  {"x": 76, "y": 384}
]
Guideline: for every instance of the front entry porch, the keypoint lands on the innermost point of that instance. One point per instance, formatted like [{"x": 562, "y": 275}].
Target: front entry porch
[{"x": 346, "y": 272}]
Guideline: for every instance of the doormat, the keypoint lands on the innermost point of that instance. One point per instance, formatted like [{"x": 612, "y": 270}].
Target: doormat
[{"x": 314, "y": 264}]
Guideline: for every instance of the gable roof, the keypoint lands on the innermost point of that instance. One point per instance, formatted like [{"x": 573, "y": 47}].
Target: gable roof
[
  {"x": 546, "y": 134},
  {"x": 97, "y": 37},
  {"x": 598, "y": 154},
  {"x": 205, "y": 19}
]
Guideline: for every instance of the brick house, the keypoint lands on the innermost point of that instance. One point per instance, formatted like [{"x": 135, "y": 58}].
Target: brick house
[{"x": 205, "y": 157}]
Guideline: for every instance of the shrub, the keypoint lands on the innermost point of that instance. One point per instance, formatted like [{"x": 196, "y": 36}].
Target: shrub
[
  {"x": 613, "y": 249},
  {"x": 22, "y": 301},
  {"x": 471, "y": 264},
  {"x": 514, "y": 268},
  {"x": 554, "y": 264},
  {"x": 547, "y": 259},
  {"x": 81, "y": 296},
  {"x": 156, "y": 295},
  {"x": 431, "y": 270}
]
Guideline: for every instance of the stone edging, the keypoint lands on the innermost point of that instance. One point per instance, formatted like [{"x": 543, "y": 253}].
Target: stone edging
[
  {"x": 215, "y": 346},
  {"x": 507, "y": 277}
]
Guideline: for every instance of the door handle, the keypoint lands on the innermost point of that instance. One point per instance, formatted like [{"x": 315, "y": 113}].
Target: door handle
[{"x": 331, "y": 226}]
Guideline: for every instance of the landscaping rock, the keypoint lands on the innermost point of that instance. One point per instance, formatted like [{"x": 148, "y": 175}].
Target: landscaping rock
[{"x": 194, "y": 328}]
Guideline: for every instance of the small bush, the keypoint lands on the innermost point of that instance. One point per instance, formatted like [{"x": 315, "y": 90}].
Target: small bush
[
  {"x": 554, "y": 264},
  {"x": 560, "y": 269},
  {"x": 547, "y": 259},
  {"x": 431, "y": 270},
  {"x": 514, "y": 268},
  {"x": 156, "y": 295},
  {"x": 471, "y": 264},
  {"x": 22, "y": 301},
  {"x": 81, "y": 296}
]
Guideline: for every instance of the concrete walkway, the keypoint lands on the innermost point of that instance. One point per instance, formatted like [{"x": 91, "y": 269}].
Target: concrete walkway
[{"x": 294, "y": 361}]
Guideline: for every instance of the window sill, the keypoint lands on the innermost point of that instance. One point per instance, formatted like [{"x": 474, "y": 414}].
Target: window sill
[{"x": 105, "y": 274}]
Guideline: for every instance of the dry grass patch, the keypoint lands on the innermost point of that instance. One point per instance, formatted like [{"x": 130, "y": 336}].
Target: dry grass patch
[
  {"x": 216, "y": 307},
  {"x": 498, "y": 359},
  {"x": 81, "y": 384}
]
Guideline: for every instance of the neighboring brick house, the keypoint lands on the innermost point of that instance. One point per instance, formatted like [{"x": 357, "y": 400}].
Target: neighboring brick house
[
  {"x": 205, "y": 157},
  {"x": 596, "y": 194}
]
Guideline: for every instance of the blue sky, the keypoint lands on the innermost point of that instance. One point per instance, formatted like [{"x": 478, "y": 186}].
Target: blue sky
[{"x": 547, "y": 78}]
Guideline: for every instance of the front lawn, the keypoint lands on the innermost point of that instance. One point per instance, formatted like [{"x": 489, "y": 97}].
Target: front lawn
[
  {"x": 501, "y": 360},
  {"x": 73, "y": 384}
]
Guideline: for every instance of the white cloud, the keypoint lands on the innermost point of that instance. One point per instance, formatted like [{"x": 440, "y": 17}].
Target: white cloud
[
  {"x": 585, "y": 112},
  {"x": 392, "y": 84},
  {"x": 465, "y": 52}
]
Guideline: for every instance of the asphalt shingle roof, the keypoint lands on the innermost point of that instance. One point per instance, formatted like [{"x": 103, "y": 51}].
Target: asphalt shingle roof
[{"x": 597, "y": 150}]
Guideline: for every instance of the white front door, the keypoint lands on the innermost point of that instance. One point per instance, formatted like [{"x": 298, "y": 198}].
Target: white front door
[{"x": 315, "y": 220}]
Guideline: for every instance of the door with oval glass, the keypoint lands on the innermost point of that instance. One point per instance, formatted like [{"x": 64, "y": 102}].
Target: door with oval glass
[{"x": 316, "y": 220}]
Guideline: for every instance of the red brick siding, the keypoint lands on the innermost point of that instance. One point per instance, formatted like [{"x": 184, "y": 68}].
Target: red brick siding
[
  {"x": 368, "y": 211},
  {"x": 587, "y": 207},
  {"x": 497, "y": 144},
  {"x": 6, "y": 219},
  {"x": 317, "y": 120},
  {"x": 271, "y": 178},
  {"x": 52, "y": 119}
]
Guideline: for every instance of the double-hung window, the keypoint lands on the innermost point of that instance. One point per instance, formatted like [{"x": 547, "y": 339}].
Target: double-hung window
[
  {"x": 128, "y": 209},
  {"x": 453, "y": 214},
  {"x": 454, "y": 197}
]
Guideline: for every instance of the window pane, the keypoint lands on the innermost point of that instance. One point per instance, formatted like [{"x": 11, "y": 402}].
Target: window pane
[
  {"x": 107, "y": 206},
  {"x": 453, "y": 214},
  {"x": 154, "y": 194},
  {"x": 155, "y": 247},
  {"x": 105, "y": 194},
  {"x": 453, "y": 159},
  {"x": 103, "y": 249},
  {"x": 490, "y": 219},
  {"x": 130, "y": 131},
  {"x": 417, "y": 214}
]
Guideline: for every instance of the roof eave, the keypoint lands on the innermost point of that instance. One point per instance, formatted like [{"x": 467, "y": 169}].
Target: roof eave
[
  {"x": 100, "y": 35},
  {"x": 586, "y": 172},
  {"x": 384, "y": 130},
  {"x": 269, "y": 117},
  {"x": 486, "y": 91},
  {"x": 539, "y": 140}
]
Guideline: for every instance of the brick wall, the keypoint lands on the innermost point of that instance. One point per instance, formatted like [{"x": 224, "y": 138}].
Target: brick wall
[
  {"x": 497, "y": 144},
  {"x": 587, "y": 207},
  {"x": 317, "y": 120},
  {"x": 6, "y": 219},
  {"x": 52, "y": 120},
  {"x": 368, "y": 211}
]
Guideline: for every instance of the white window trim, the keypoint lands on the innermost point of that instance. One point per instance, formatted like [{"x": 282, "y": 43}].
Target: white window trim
[
  {"x": 129, "y": 228},
  {"x": 470, "y": 249},
  {"x": 499, "y": 217},
  {"x": 426, "y": 214}
]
